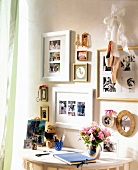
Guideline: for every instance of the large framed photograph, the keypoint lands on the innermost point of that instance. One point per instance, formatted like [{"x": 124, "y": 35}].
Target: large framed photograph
[
  {"x": 71, "y": 107},
  {"x": 126, "y": 86},
  {"x": 80, "y": 72},
  {"x": 44, "y": 113},
  {"x": 55, "y": 56},
  {"x": 36, "y": 131}
]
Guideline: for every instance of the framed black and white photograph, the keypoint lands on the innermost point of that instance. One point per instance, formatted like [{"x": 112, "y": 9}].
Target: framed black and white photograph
[
  {"x": 71, "y": 105},
  {"x": 44, "y": 94},
  {"x": 110, "y": 148},
  {"x": 44, "y": 113},
  {"x": 117, "y": 79},
  {"x": 55, "y": 62}
]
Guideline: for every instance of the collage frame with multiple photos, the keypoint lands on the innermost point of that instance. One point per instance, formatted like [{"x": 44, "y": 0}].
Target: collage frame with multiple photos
[
  {"x": 55, "y": 56},
  {"x": 70, "y": 112},
  {"x": 126, "y": 86}
]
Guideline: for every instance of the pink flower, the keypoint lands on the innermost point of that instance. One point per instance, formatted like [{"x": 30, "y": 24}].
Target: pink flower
[
  {"x": 92, "y": 137},
  {"x": 106, "y": 132},
  {"x": 107, "y": 140},
  {"x": 101, "y": 135}
]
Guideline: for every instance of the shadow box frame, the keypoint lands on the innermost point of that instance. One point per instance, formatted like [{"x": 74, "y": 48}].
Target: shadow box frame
[
  {"x": 78, "y": 70},
  {"x": 55, "y": 61},
  {"x": 77, "y": 95},
  {"x": 122, "y": 92},
  {"x": 46, "y": 109}
]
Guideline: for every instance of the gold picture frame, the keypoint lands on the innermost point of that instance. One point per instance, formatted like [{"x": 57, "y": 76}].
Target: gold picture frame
[
  {"x": 44, "y": 113},
  {"x": 85, "y": 39},
  {"x": 126, "y": 87},
  {"x": 44, "y": 94},
  {"x": 82, "y": 55},
  {"x": 80, "y": 72},
  {"x": 125, "y": 123}
]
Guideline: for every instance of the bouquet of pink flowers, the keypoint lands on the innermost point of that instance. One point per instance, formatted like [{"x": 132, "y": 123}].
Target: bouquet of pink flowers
[{"x": 94, "y": 134}]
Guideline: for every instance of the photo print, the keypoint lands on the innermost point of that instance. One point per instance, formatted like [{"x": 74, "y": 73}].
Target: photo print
[
  {"x": 54, "y": 45},
  {"x": 62, "y": 107},
  {"x": 35, "y": 131},
  {"x": 80, "y": 108},
  {"x": 54, "y": 67},
  {"x": 128, "y": 84},
  {"x": 105, "y": 67},
  {"x": 108, "y": 86},
  {"x": 128, "y": 63},
  {"x": 110, "y": 146},
  {"x": 71, "y": 108},
  {"x": 125, "y": 123},
  {"x": 54, "y": 56}
]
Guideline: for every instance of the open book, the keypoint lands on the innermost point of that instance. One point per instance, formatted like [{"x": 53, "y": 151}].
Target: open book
[{"x": 74, "y": 158}]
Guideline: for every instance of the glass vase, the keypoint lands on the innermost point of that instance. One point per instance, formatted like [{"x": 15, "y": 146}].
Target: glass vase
[{"x": 94, "y": 151}]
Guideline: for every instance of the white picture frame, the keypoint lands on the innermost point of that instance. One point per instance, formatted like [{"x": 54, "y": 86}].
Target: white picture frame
[
  {"x": 126, "y": 86},
  {"x": 55, "y": 62},
  {"x": 72, "y": 117}
]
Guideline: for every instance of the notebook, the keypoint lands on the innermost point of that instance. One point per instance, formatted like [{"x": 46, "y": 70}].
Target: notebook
[{"x": 74, "y": 158}]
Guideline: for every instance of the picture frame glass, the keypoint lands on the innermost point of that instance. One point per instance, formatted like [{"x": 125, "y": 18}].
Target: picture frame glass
[
  {"x": 72, "y": 107},
  {"x": 126, "y": 86},
  {"x": 80, "y": 72},
  {"x": 55, "y": 56}
]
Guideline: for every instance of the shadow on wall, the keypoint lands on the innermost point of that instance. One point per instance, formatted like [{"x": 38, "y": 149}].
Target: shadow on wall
[
  {"x": 96, "y": 108},
  {"x": 132, "y": 153}
]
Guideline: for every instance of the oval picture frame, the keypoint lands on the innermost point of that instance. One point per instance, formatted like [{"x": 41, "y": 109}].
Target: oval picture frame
[
  {"x": 108, "y": 120},
  {"x": 125, "y": 123}
]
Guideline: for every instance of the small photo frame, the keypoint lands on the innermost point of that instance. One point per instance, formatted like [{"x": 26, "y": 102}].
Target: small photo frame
[
  {"x": 80, "y": 72},
  {"x": 110, "y": 148},
  {"x": 44, "y": 113},
  {"x": 85, "y": 39},
  {"x": 82, "y": 55},
  {"x": 44, "y": 94},
  {"x": 27, "y": 144}
]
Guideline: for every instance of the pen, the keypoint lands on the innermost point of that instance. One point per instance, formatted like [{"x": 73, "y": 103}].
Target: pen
[{"x": 38, "y": 155}]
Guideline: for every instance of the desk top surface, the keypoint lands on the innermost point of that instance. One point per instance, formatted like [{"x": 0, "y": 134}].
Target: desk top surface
[{"x": 50, "y": 160}]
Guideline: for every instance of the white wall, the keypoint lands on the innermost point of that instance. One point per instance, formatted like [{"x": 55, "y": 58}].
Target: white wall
[{"x": 80, "y": 16}]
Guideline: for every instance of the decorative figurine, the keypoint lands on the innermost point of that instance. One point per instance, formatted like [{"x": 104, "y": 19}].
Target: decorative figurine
[
  {"x": 49, "y": 134},
  {"x": 77, "y": 42}
]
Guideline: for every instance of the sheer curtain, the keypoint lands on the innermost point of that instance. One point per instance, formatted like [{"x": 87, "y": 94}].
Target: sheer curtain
[{"x": 11, "y": 70}]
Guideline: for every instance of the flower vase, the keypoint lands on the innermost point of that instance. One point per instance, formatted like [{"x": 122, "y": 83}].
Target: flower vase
[{"x": 94, "y": 151}]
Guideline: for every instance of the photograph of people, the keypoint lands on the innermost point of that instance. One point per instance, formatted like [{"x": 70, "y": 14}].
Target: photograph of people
[
  {"x": 35, "y": 129},
  {"x": 54, "y": 67},
  {"x": 57, "y": 45},
  {"x": 108, "y": 86},
  {"x": 81, "y": 108},
  {"x": 62, "y": 107},
  {"x": 51, "y": 46},
  {"x": 71, "y": 108}
]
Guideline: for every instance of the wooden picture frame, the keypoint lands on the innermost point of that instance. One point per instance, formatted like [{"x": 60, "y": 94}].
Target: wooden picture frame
[
  {"x": 82, "y": 55},
  {"x": 44, "y": 94},
  {"x": 125, "y": 123},
  {"x": 126, "y": 86},
  {"x": 80, "y": 72},
  {"x": 55, "y": 56},
  {"x": 44, "y": 113},
  {"x": 85, "y": 39},
  {"x": 65, "y": 115},
  {"x": 27, "y": 144}
]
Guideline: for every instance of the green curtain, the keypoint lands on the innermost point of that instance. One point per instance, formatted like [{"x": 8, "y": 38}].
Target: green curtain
[{"x": 12, "y": 51}]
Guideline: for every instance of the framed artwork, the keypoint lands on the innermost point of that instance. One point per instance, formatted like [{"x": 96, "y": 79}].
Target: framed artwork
[
  {"x": 44, "y": 113},
  {"x": 125, "y": 123},
  {"x": 55, "y": 56},
  {"x": 71, "y": 105},
  {"x": 80, "y": 72},
  {"x": 108, "y": 120},
  {"x": 126, "y": 86},
  {"x": 36, "y": 131},
  {"x": 82, "y": 55},
  {"x": 44, "y": 94},
  {"x": 27, "y": 144},
  {"x": 85, "y": 39}
]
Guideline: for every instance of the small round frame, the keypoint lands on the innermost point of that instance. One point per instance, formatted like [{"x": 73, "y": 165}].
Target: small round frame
[
  {"x": 125, "y": 123},
  {"x": 108, "y": 120}
]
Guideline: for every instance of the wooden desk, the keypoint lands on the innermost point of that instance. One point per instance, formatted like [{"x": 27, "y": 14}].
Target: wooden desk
[{"x": 32, "y": 162}]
